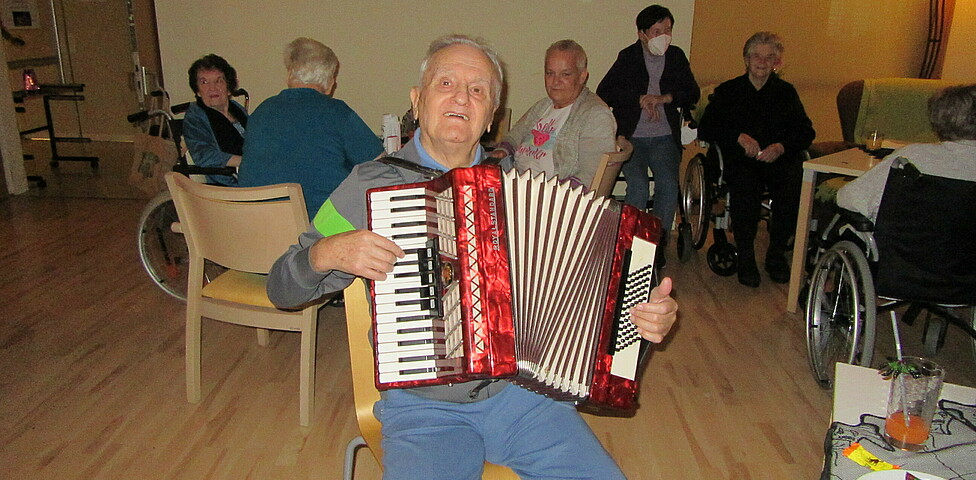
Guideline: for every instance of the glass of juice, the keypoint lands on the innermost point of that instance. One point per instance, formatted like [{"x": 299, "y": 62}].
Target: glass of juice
[{"x": 912, "y": 402}]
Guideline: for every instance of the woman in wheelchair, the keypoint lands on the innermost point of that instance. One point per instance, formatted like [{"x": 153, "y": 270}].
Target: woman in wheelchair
[
  {"x": 952, "y": 113},
  {"x": 915, "y": 247},
  {"x": 758, "y": 121},
  {"x": 213, "y": 127}
]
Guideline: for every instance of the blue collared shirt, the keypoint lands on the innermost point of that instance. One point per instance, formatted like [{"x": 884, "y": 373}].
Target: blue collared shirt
[{"x": 427, "y": 161}]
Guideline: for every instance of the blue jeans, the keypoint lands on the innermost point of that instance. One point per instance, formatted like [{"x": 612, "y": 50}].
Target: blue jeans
[
  {"x": 661, "y": 154},
  {"x": 537, "y": 437}
]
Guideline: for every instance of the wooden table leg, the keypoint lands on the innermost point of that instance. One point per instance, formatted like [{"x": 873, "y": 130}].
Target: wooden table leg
[{"x": 797, "y": 269}]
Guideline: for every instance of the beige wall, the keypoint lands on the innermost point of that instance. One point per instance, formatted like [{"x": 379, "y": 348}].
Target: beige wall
[
  {"x": 828, "y": 43},
  {"x": 960, "y": 53},
  {"x": 380, "y": 43}
]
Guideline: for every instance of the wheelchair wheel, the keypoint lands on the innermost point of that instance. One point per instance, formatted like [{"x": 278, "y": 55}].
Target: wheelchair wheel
[
  {"x": 163, "y": 252},
  {"x": 722, "y": 258},
  {"x": 696, "y": 201},
  {"x": 840, "y": 312}
]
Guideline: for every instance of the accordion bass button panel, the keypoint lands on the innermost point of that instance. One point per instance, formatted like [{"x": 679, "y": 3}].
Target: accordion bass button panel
[{"x": 637, "y": 289}]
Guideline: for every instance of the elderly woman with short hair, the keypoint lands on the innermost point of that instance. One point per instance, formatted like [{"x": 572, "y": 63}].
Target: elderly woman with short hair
[
  {"x": 760, "y": 125},
  {"x": 303, "y": 134},
  {"x": 952, "y": 113},
  {"x": 213, "y": 126}
]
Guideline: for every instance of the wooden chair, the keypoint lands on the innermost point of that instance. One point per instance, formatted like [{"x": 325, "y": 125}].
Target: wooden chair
[
  {"x": 358, "y": 324},
  {"x": 500, "y": 125},
  {"x": 244, "y": 230},
  {"x": 609, "y": 167}
]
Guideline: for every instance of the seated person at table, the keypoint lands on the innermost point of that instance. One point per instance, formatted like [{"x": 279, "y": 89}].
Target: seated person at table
[
  {"x": 952, "y": 113},
  {"x": 758, "y": 121},
  {"x": 448, "y": 431},
  {"x": 213, "y": 126},
  {"x": 303, "y": 134},
  {"x": 565, "y": 133}
]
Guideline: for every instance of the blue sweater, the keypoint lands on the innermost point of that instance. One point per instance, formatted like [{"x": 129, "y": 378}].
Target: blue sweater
[
  {"x": 203, "y": 144},
  {"x": 305, "y": 137}
]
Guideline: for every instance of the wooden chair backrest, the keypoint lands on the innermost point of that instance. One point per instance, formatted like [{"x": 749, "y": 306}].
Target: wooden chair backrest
[
  {"x": 361, "y": 360},
  {"x": 609, "y": 167},
  {"x": 244, "y": 229}
]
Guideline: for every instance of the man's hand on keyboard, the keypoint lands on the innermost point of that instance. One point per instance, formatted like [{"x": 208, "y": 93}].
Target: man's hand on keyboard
[{"x": 359, "y": 252}]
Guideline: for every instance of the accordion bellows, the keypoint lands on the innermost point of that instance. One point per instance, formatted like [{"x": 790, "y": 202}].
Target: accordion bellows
[{"x": 510, "y": 275}]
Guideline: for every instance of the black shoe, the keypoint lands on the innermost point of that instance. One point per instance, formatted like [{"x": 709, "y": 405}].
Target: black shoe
[
  {"x": 778, "y": 269},
  {"x": 749, "y": 274}
]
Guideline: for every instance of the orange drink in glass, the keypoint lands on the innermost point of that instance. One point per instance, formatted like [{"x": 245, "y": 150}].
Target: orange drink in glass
[{"x": 912, "y": 403}]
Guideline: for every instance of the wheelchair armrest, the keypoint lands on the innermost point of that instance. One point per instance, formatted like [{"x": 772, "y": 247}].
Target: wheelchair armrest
[{"x": 856, "y": 220}]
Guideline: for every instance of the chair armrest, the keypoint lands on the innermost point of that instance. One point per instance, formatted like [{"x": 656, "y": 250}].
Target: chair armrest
[{"x": 856, "y": 220}]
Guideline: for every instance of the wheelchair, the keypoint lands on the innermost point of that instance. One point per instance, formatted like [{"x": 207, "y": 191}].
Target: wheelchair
[
  {"x": 705, "y": 200},
  {"x": 162, "y": 250},
  {"x": 907, "y": 258}
]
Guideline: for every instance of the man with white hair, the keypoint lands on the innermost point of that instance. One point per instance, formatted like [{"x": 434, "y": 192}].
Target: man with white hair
[
  {"x": 565, "y": 133},
  {"x": 303, "y": 134}
]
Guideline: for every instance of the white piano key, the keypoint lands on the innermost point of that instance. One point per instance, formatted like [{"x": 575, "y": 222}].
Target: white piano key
[
  {"x": 404, "y": 309},
  {"x": 393, "y": 355},
  {"x": 418, "y": 323},
  {"x": 391, "y": 222},
  {"x": 406, "y": 336},
  {"x": 387, "y": 195},
  {"x": 413, "y": 348},
  {"x": 423, "y": 374},
  {"x": 398, "y": 316},
  {"x": 417, "y": 364}
]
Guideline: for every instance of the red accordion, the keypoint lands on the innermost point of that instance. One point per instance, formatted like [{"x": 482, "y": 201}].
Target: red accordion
[{"x": 511, "y": 276}]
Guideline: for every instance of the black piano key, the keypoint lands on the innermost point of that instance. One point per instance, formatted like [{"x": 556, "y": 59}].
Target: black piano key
[
  {"x": 416, "y": 223},
  {"x": 425, "y": 278},
  {"x": 415, "y": 371},
  {"x": 425, "y": 303},
  {"x": 406, "y": 236},
  {"x": 426, "y": 291},
  {"x": 426, "y": 316},
  {"x": 420, "y": 358},
  {"x": 398, "y": 198},
  {"x": 404, "y": 331},
  {"x": 422, "y": 341}
]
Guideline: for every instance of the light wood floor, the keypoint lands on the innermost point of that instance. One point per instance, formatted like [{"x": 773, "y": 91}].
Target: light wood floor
[{"x": 91, "y": 374}]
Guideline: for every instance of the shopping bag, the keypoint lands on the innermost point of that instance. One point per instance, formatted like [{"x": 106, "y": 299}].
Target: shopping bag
[{"x": 154, "y": 155}]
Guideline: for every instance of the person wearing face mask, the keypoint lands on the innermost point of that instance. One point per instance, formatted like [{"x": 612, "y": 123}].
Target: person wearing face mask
[
  {"x": 758, "y": 121},
  {"x": 645, "y": 87}
]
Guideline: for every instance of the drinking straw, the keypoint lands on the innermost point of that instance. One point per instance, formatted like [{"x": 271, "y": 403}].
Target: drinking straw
[{"x": 899, "y": 378}]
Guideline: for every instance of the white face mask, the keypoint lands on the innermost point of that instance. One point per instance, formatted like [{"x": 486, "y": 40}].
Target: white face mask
[{"x": 659, "y": 44}]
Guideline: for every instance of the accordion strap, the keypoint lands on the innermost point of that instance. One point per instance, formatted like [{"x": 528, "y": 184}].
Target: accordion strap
[{"x": 427, "y": 172}]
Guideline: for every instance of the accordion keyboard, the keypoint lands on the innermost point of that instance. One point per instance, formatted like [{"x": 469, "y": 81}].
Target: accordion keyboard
[{"x": 416, "y": 338}]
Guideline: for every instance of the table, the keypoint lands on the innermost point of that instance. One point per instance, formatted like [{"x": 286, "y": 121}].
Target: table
[
  {"x": 860, "y": 401},
  {"x": 853, "y": 162},
  {"x": 57, "y": 92},
  {"x": 860, "y": 390}
]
